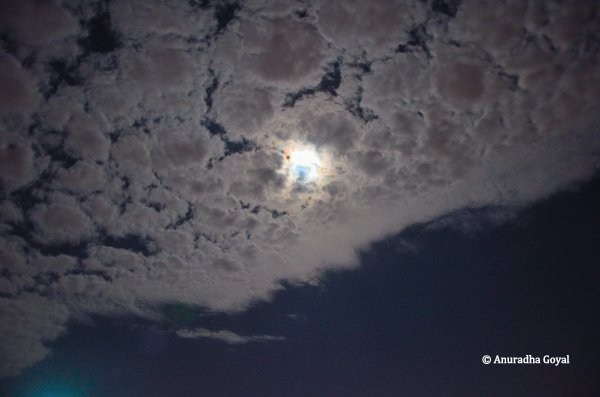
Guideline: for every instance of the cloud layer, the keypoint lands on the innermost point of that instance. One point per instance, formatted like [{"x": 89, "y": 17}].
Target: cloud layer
[{"x": 140, "y": 157}]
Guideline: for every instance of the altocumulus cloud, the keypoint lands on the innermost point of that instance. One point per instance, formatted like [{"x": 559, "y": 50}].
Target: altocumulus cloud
[{"x": 140, "y": 163}]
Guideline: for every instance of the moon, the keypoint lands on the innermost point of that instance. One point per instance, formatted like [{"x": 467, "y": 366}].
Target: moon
[{"x": 303, "y": 163}]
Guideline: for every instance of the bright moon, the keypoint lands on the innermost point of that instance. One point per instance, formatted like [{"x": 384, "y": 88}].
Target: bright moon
[{"x": 304, "y": 164}]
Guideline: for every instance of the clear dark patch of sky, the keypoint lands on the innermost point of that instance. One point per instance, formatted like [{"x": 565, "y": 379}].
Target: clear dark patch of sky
[
  {"x": 224, "y": 13},
  {"x": 446, "y": 7},
  {"x": 409, "y": 321},
  {"x": 101, "y": 37}
]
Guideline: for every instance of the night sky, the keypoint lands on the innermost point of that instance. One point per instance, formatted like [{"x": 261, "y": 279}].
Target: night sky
[
  {"x": 414, "y": 320},
  {"x": 299, "y": 198}
]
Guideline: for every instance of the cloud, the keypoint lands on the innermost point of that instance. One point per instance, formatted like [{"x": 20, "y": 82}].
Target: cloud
[
  {"x": 37, "y": 23},
  {"x": 228, "y": 337},
  {"x": 285, "y": 51},
  {"x": 141, "y": 154},
  {"x": 61, "y": 221},
  {"x": 373, "y": 27},
  {"x": 27, "y": 337},
  {"x": 19, "y": 94}
]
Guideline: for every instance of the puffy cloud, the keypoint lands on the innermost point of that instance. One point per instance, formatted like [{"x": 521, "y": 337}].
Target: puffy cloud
[
  {"x": 461, "y": 83},
  {"x": 373, "y": 26},
  {"x": 61, "y": 220},
  {"x": 85, "y": 137},
  {"x": 153, "y": 169},
  {"x": 137, "y": 20},
  {"x": 283, "y": 50},
  {"x": 244, "y": 111},
  {"x": 37, "y": 23},
  {"x": 27, "y": 323},
  {"x": 158, "y": 68},
  {"x": 16, "y": 165},
  {"x": 334, "y": 130},
  {"x": 18, "y": 93}
]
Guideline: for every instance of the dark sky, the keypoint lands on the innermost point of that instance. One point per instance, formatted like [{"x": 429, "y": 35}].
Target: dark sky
[
  {"x": 297, "y": 197},
  {"x": 414, "y": 319}
]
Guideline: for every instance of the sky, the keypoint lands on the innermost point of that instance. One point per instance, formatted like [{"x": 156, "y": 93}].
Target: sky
[{"x": 298, "y": 197}]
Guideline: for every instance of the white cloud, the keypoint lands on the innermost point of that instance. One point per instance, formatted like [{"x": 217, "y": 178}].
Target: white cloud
[
  {"x": 374, "y": 26},
  {"x": 243, "y": 111},
  {"x": 226, "y": 336},
  {"x": 283, "y": 51}
]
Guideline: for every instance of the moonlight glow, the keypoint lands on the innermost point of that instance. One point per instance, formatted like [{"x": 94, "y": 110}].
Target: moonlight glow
[{"x": 303, "y": 164}]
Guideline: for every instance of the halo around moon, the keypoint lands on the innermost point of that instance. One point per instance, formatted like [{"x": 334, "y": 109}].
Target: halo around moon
[{"x": 304, "y": 164}]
